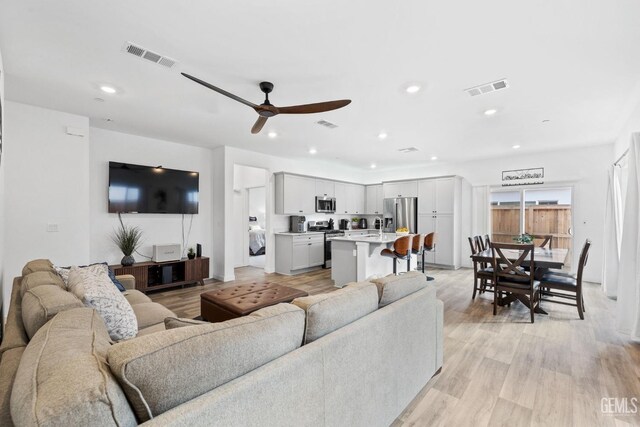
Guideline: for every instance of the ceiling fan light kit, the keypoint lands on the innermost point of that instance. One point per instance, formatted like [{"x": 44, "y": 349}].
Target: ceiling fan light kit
[{"x": 266, "y": 109}]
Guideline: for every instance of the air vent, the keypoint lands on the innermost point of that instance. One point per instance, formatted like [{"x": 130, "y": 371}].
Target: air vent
[
  {"x": 408, "y": 150},
  {"x": 327, "y": 124},
  {"x": 487, "y": 87},
  {"x": 141, "y": 52}
]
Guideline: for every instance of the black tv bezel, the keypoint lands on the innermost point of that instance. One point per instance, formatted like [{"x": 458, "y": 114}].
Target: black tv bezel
[{"x": 113, "y": 162}]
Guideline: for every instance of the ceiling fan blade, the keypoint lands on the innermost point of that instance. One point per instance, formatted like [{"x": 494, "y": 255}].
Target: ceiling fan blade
[
  {"x": 220, "y": 91},
  {"x": 257, "y": 127},
  {"x": 314, "y": 108}
]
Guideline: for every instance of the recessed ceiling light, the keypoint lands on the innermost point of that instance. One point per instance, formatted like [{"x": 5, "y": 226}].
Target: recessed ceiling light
[
  {"x": 373, "y": 165},
  {"x": 272, "y": 134},
  {"x": 382, "y": 135},
  {"x": 490, "y": 112},
  {"x": 515, "y": 147},
  {"x": 312, "y": 151},
  {"x": 413, "y": 88},
  {"x": 434, "y": 158},
  {"x": 108, "y": 89}
]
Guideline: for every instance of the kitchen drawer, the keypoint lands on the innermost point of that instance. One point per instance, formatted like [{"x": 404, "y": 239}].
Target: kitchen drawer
[{"x": 308, "y": 238}]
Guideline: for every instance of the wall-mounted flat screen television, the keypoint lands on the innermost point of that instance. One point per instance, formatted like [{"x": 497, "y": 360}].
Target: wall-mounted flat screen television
[{"x": 148, "y": 189}]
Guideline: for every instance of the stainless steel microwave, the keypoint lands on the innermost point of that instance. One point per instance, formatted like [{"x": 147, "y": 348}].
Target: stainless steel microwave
[{"x": 325, "y": 204}]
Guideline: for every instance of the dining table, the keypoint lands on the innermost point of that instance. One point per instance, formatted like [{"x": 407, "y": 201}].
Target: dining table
[{"x": 543, "y": 259}]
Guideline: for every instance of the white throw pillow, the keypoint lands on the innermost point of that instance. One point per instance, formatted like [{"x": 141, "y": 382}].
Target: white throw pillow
[{"x": 94, "y": 288}]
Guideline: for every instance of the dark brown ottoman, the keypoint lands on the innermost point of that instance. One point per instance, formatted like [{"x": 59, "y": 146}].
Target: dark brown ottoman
[{"x": 238, "y": 301}]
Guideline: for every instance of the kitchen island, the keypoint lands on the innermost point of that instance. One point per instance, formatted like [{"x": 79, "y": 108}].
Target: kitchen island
[{"x": 358, "y": 258}]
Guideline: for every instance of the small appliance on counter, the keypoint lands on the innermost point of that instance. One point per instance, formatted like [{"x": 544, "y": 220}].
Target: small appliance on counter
[
  {"x": 363, "y": 224},
  {"x": 297, "y": 224},
  {"x": 344, "y": 224}
]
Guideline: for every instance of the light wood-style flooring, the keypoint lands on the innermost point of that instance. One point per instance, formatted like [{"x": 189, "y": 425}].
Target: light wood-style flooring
[{"x": 499, "y": 370}]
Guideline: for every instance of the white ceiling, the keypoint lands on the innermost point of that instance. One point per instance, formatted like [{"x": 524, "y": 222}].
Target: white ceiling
[{"x": 573, "y": 62}]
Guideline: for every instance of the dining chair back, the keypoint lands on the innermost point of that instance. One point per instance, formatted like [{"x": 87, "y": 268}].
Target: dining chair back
[
  {"x": 482, "y": 274},
  {"x": 479, "y": 243},
  {"x": 429, "y": 245},
  {"x": 510, "y": 276},
  {"x": 487, "y": 241},
  {"x": 565, "y": 286},
  {"x": 472, "y": 245},
  {"x": 546, "y": 240}
]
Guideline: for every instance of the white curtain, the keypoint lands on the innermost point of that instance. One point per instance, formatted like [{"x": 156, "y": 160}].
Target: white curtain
[
  {"x": 612, "y": 234},
  {"x": 628, "y": 304}
]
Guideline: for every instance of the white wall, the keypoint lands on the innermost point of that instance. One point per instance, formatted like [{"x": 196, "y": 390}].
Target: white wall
[
  {"x": 47, "y": 182},
  {"x": 630, "y": 125},
  {"x": 3, "y": 161},
  {"x": 258, "y": 205},
  {"x": 585, "y": 169},
  {"x": 157, "y": 228}
]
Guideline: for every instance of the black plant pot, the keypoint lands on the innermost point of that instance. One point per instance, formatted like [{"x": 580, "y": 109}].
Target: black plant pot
[
  {"x": 127, "y": 260},
  {"x": 191, "y": 256}
]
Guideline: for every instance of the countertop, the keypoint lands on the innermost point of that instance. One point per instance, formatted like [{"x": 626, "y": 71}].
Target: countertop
[
  {"x": 288, "y": 233},
  {"x": 386, "y": 238}
]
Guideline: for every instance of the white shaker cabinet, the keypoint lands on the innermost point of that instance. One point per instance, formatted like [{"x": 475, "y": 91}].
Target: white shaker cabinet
[
  {"x": 374, "y": 200},
  {"x": 400, "y": 189},
  {"x": 295, "y": 195}
]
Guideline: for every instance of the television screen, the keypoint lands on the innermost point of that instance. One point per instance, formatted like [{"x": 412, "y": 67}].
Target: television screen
[{"x": 147, "y": 189}]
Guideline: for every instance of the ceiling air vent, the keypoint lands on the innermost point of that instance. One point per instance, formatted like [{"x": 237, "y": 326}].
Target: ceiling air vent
[
  {"x": 487, "y": 87},
  {"x": 408, "y": 150},
  {"x": 141, "y": 52},
  {"x": 327, "y": 124}
]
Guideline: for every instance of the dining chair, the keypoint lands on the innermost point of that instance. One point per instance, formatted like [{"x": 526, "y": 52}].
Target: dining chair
[
  {"x": 417, "y": 248},
  {"x": 484, "y": 275},
  {"x": 487, "y": 241},
  {"x": 510, "y": 277},
  {"x": 401, "y": 251},
  {"x": 429, "y": 245},
  {"x": 566, "y": 286},
  {"x": 479, "y": 243},
  {"x": 546, "y": 240}
]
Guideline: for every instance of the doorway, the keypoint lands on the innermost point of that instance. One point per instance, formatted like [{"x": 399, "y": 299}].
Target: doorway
[
  {"x": 539, "y": 212},
  {"x": 250, "y": 216}
]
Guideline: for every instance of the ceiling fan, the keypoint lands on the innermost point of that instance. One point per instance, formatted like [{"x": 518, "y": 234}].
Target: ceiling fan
[{"x": 266, "y": 109}]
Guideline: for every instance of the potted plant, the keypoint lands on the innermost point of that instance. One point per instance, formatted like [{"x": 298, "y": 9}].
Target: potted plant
[
  {"x": 191, "y": 254},
  {"x": 524, "y": 239},
  {"x": 128, "y": 239},
  {"x": 354, "y": 223}
]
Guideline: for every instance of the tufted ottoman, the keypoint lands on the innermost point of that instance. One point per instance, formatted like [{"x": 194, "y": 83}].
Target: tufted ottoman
[{"x": 238, "y": 301}]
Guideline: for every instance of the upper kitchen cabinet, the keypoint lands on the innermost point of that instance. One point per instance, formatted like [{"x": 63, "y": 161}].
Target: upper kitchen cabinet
[
  {"x": 295, "y": 195},
  {"x": 349, "y": 199},
  {"x": 400, "y": 189},
  {"x": 436, "y": 196},
  {"x": 374, "y": 199},
  {"x": 325, "y": 188}
]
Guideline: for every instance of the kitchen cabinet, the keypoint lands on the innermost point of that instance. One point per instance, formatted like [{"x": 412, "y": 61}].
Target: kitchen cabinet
[
  {"x": 325, "y": 188},
  {"x": 443, "y": 226},
  {"x": 297, "y": 253},
  {"x": 295, "y": 195},
  {"x": 400, "y": 189},
  {"x": 349, "y": 199},
  {"x": 436, "y": 196},
  {"x": 374, "y": 200}
]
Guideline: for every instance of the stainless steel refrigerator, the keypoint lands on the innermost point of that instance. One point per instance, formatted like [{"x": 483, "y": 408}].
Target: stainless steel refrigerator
[{"x": 401, "y": 212}]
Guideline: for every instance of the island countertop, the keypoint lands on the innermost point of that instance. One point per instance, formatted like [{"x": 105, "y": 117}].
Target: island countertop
[{"x": 373, "y": 238}]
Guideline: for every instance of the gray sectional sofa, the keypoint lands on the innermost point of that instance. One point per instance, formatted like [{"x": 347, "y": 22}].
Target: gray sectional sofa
[{"x": 354, "y": 357}]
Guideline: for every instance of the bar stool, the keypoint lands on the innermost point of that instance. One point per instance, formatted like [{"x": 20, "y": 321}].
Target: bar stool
[
  {"x": 418, "y": 246},
  {"x": 401, "y": 250},
  {"x": 429, "y": 245}
]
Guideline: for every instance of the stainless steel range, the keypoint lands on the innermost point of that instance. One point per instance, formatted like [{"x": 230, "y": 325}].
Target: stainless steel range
[{"x": 329, "y": 234}]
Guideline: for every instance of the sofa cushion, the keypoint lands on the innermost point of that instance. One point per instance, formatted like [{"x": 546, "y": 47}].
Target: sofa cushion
[
  {"x": 14, "y": 334},
  {"x": 40, "y": 304},
  {"x": 8, "y": 368},
  {"x": 175, "y": 322},
  {"x": 39, "y": 278},
  {"x": 151, "y": 330},
  {"x": 150, "y": 313},
  {"x": 37, "y": 265},
  {"x": 135, "y": 297},
  {"x": 95, "y": 290},
  {"x": 391, "y": 288},
  {"x": 327, "y": 312},
  {"x": 165, "y": 369},
  {"x": 63, "y": 378}
]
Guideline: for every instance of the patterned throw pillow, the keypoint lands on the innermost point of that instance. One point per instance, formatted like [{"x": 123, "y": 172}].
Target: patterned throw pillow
[
  {"x": 94, "y": 288},
  {"x": 64, "y": 273}
]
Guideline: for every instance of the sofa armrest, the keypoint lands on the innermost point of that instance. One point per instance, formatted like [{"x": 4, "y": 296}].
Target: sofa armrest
[{"x": 127, "y": 280}]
